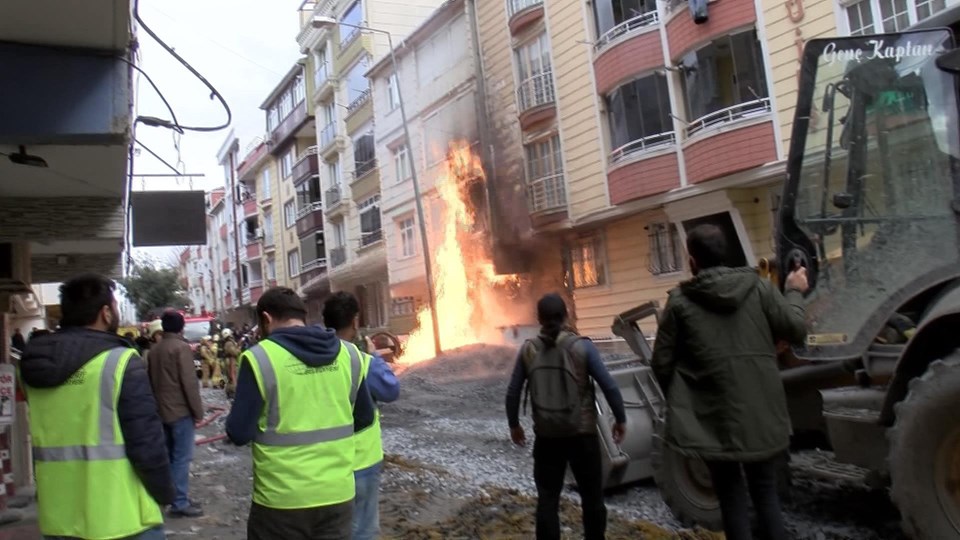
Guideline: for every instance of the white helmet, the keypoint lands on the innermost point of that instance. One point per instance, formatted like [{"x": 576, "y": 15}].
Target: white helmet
[{"x": 227, "y": 333}]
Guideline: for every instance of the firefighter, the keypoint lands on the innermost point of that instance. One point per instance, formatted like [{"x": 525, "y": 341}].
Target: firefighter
[
  {"x": 210, "y": 364},
  {"x": 231, "y": 351}
]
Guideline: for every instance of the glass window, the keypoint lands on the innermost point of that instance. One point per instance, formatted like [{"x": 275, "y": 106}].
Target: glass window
[
  {"x": 534, "y": 73},
  {"x": 724, "y": 74},
  {"x": 299, "y": 90},
  {"x": 352, "y": 18},
  {"x": 666, "y": 250},
  {"x": 273, "y": 118},
  {"x": 290, "y": 213},
  {"x": 884, "y": 16},
  {"x": 265, "y": 184},
  {"x": 293, "y": 262},
  {"x": 860, "y": 18},
  {"x": 286, "y": 163},
  {"x": 271, "y": 268},
  {"x": 370, "y": 228},
  {"x": 393, "y": 92},
  {"x": 401, "y": 161},
  {"x": 322, "y": 72},
  {"x": 364, "y": 154},
  {"x": 408, "y": 242},
  {"x": 308, "y": 192},
  {"x": 586, "y": 262},
  {"x": 610, "y": 13},
  {"x": 638, "y": 112},
  {"x": 545, "y": 182},
  {"x": 357, "y": 83},
  {"x": 268, "y": 229},
  {"x": 333, "y": 172},
  {"x": 339, "y": 234}
]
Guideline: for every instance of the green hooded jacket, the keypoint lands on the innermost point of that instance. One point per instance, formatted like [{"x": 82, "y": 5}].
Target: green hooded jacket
[{"x": 715, "y": 358}]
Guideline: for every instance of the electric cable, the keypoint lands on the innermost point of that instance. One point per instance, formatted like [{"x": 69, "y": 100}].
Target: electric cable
[
  {"x": 150, "y": 120},
  {"x": 213, "y": 91}
]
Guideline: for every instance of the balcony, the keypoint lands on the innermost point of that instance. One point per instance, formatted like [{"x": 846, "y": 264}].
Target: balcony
[
  {"x": 741, "y": 111},
  {"x": 626, "y": 50},
  {"x": 310, "y": 218},
  {"x": 250, "y": 207},
  {"x": 223, "y": 231},
  {"x": 547, "y": 194},
  {"x": 334, "y": 198},
  {"x": 312, "y": 269},
  {"x": 255, "y": 290},
  {"x": 683, "y": 35},
  {"x": 338, "y": 256},
  {"x": 323, "y": 81},
  {"x": 328, "y": 136},
  {"x": 252, "y": 249},
  {"x": 363, "y": 168},
  {"x": 225, "y": 265},
  {"x": 536, "y": 99},
  {"x": 289, "y": 127},
  {"x": 254, "y": 154},
  {"x": 637, "y": 174},
  {"x": 370, "y": 238},
  {"x": 358, "y": 102},
  {"x": 307, "y": 165},
  {"x": 523, "y": 13},
  {"x": 642, "y": 146}
]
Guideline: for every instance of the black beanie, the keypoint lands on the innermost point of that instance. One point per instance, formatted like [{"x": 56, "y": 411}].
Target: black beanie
[{"x": 172, "y": 322}]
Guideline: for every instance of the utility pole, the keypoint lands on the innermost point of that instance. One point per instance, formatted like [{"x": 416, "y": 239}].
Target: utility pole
[{"x": 236, "y": 232}]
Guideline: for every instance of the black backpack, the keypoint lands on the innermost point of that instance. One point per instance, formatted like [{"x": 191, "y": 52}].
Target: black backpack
[{"x": 553, "y": 389}]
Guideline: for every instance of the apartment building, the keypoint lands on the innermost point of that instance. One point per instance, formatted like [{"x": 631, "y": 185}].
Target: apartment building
[
  {"x": 195, "y": 279},
  {"x": 347, "y": 198}
]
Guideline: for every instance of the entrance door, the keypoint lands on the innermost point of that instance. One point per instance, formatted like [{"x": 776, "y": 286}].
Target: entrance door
[{"x": 735, "y": 253}]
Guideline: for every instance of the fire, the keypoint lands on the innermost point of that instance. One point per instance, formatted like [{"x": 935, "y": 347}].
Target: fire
[{"x": 469, "y": 292}]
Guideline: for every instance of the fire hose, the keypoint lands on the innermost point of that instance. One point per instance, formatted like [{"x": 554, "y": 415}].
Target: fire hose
[{"x": 216, "y": 412}]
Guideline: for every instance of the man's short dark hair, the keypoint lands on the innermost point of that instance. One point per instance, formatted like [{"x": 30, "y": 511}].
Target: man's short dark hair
[
  {"x": 82, "y": 298},
  {"x": 707, "y": 246},
  {"x": 283, "y": 304},
  {"x": 172, "y": 322},
  {"x": 339, "y": 310}
]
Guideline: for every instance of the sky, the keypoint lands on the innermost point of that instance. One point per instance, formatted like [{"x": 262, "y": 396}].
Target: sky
[{"x": 243, "y": 48}]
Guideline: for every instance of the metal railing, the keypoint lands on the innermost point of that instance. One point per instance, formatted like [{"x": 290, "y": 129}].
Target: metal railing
[
  {"x": 516, "y": 6},
  {"x": 313, "y": 265},
  {"x": 372, "y": 237},
  {"x": 307, "y": 152},
  {"x": 364, "y": 167},
  {"x": 252, "y": 145},
  {"x": 645, "y": 20},
  {"x": 749, "y": 109},
  {"x": 535, "y": 91},
  {"x": 359, "y": 101},
  {"x": 673, "y": 5},
  {"x": 643, "y": 144},
  {"x": 328, "y": 134},
  {"x": 254, "y": 283},
  {"x": 546, "y": 193},
  {"x": 349, "y": 37},
  {"x": 333, "y": 196},
  {"x": 338, "y": 256},
  {"x": 308, "y": 209}
]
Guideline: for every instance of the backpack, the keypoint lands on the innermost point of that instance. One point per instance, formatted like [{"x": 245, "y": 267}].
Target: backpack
[{"x": 552, "y": 388}]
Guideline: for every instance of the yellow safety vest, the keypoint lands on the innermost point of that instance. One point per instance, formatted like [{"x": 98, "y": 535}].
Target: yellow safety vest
[
  {"x": 368, "y": 440},
  {"x": 303, "y": 454},
  {"x": 86, "y": 486}
]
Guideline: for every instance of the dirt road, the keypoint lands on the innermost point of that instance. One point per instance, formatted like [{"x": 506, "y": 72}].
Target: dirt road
[{"x": 451, "y": 473}]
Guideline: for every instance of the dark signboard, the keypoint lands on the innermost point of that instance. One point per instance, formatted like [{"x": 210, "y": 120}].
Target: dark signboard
[{"x": 169, "y": 218}]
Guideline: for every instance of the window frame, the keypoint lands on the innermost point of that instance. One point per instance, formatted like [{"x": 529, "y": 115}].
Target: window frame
[
  {"x": 393, "y": 91},
  {"x": 265, "y": 184},
  {"x": 597, "y": 242},
  {"x": 408, "y": 247},
  {"x": 290, "y": 213},
  {"x": 876, "y": 10},
  {"x": 401, "y": 157},
  {"x": 656, "y": 250},
  {"x": 351, "y": 33},
  {"x": 286, "y": 163},
  {"x": 294, "y": 269},
  {"x": 370, "y": 205}
]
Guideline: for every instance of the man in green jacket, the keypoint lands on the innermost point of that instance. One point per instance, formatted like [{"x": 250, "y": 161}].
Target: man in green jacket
[{"x": 715, "y": 358}]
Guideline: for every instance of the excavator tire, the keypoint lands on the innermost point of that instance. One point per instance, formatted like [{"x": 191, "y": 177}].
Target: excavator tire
[
  {"x": 685, "y": 487},
  {"x": 924, "y": 455}
]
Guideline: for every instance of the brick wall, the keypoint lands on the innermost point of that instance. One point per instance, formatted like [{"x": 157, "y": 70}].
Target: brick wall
[
  {"x": 728, "y": 152},
  {"x": 636, "y": 55},
  {"x": 643, "y": 178},
  {"x": 725, "y": 15}
]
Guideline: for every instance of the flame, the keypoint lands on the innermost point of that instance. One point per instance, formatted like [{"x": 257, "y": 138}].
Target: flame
[{"x": 469, "y": 292}]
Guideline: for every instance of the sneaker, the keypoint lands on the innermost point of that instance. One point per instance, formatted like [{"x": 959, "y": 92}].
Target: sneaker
[{"x": 188, "y": 512}]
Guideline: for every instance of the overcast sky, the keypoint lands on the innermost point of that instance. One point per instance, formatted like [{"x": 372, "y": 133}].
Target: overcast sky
[{"x": 242, "y": 47}]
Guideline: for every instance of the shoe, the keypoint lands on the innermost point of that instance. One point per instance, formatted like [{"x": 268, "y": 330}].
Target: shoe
[{"x": 188, "y": 512}]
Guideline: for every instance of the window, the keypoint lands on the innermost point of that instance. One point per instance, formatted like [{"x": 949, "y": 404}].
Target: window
[
  {"x": 370, "y": 228},
  {"x": 271, "y": 268},
  {"x": 329, "y": 131},
  {"x": 666, "y": 251},
  {"x": 293, "y": 262},
  {"x": 286, "y": 163},
  {"x": 364, "y": 155},
  {"x": 534, "y": 73},
  {"x": 299, "y": 90},
  {"x": 639, "y": 115},
  {"x": 884, "y": 16},
  {"x": 273, "y": 118},
  {"x": 401, "y": 161},
  {"x": 393, "y": 91},
  {"x": 265, "y": 185},
  {"x": 586, "y": 262},
  {"x": 352, "y": 17},
  {"x": 402, "y": 306},
  {"x": 408, "y": 245},
  {"x": 333, "y": 172},
  {"x": 267, "y": 229},
  {"x": 610, "y": 13},
  {"x": 545, "y": 184},
  {"x": 322, "y": 62},
  {"x": 721, "y": 75},
  {"x": 339, "y": 234},
  {"x": 358, "y": 86},
  {"x": 308, "y": 192},
  {"x": 320, "y": 245},
  {"x": 289, "y": 213}
]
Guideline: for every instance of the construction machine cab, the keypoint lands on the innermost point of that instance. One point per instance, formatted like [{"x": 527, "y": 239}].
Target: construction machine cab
[{"x": 873, "y": 191}]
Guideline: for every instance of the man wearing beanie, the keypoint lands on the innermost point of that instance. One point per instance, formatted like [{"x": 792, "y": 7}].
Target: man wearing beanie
[{"x": 174, "y": 381}]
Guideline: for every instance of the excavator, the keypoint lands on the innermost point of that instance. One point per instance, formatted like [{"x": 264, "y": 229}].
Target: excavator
[{"x": 871, "y": 208}]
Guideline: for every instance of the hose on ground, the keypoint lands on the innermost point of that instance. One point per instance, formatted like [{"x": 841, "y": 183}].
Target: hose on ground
[{"x": 215, "y": 412}]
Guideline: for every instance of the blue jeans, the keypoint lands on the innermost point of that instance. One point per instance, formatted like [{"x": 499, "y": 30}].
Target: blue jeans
[
  {"x": 366, "y": 505},
  {"x": 180, "y": 444},
  {"x": 155, "y": 533}
]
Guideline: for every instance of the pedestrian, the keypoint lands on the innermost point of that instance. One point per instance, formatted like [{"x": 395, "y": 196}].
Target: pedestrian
[
  {"x": 300, "y": 398},
  {"x": 559, "y": 368},
  {"x": 341, "y": 312},
  {"x": 715, "y": 359},
  {"x": 17, "y": 340},
  {"x": 102, "y": 471},
  {"x": 174, "y": 380},
  {"x": 33, "y": 332}
]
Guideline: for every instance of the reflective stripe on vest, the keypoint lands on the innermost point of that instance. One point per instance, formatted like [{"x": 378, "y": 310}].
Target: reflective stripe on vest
[
  {"x": 269, "y": 436},
  {"x": 369, "y": 440},
  {"x": 108, "y": 448}
]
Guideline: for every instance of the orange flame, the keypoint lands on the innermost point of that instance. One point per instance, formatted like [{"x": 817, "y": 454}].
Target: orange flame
[{"x": 469, "y": 292}]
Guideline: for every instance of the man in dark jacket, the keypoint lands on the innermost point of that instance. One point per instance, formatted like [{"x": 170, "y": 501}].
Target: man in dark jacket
[
  {"x": 174, "y": 380},
  {"x": 88, "y": 329},
  {"x": 715, "y": 358}
]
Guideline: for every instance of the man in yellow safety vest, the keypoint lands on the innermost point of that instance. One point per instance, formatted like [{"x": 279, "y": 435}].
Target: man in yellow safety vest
[
  {"x": 102, "y": 469},
  {"x": 300, "y": 397},
  {"x": 341, "y": 312}
]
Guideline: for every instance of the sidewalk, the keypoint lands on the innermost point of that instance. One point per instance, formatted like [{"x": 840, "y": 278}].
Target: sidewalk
[{"x": 23, "y": 507}]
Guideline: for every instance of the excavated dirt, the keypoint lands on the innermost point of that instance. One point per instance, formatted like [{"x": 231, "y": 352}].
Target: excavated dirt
[{"x": 452, "y": 473}]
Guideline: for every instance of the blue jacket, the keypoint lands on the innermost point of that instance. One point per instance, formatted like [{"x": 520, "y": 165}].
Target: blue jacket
[{"x": 315, "y": 346}]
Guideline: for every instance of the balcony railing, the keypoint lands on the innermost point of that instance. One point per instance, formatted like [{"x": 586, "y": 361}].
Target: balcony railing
[
  {"x": 364, "y": 167},
  {"x": 749, "y": 109},
  {"x": 289, "y": 125},
  {"x": 328, "y": 134},
  {"x": 333, "y": 196},
  {"x": 546, "y": 193},
  {"x": 645, "y": 20},
  {"x": 347, "y": 38},
  {"x": 673, "y": 5},
  {"x": 306, "y": 165},
  {"x": 516, "y": 6},
  {"x": 372, "y": 237},
  {"x": 536, "y": 91},
  {"x": 338, "y": 256},
  {"x": 309, "y": 218},
  {"x": 359, "y": 101},
  {"x": 308, "y": 209},
  {"x": 637, "y": 146},
  {"x": 250, "y": 207},
  {"x": 313, "y": 265}
]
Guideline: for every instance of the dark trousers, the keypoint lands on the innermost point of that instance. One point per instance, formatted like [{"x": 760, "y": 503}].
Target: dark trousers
[
  {"x": 550, "y": 458},
  {"x": 332, "y": 522},
  {"x": 731, "y": 489}
]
